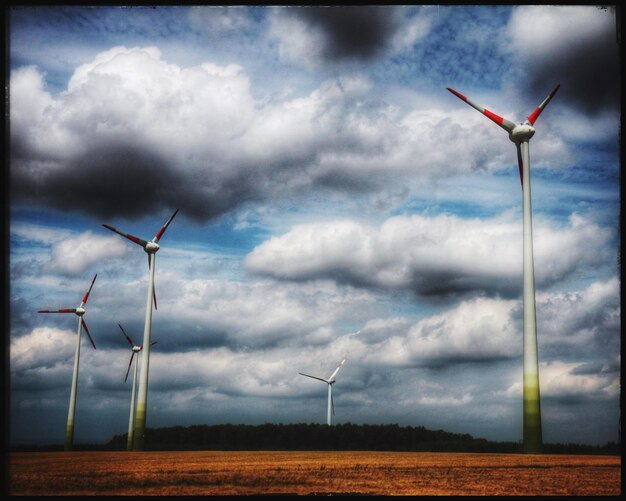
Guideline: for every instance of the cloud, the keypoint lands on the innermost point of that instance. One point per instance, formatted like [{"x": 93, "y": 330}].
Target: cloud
[
  {"x": 257, "y": 315},
  {"x": 42, "y": 348},
  {"x": 576, "y": 46},
  {"x": 322, "y": 37},
  {"x": 74, "y": 255},
  {"x": 435, "y": 257},
  {"x": 133, "y": 133}
]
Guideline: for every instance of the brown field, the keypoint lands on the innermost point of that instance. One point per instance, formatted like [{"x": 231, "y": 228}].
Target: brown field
[{"x": 310, "y": 472}]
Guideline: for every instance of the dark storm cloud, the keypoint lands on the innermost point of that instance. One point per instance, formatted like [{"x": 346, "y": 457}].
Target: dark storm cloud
[
  {"x": 121, "y": 179},
  {"x": 589, "y": 75},
  {"x": 352, "y": 32},
  {"x": 576, "y": 46}
]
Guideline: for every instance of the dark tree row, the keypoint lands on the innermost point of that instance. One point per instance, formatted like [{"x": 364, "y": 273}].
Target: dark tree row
[{"x": 338, "y": 437}]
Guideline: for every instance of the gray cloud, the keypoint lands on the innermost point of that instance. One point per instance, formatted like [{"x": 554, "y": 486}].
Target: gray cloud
[
  {"x": 352, "y": 32},
  {"x": 576, "y": 46},
  {"x": 439, "y": 258}
]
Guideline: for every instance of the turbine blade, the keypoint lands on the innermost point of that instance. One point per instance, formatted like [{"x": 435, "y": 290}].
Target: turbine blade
[
  {"x": 129, "y": 364},
  {"x": 66, "y": 310},
  {"x": 332, "y": 404},
  {"x": 314, "y": 377},
  {"x": 82, "y": 320},
  {"x": 532, "y": 118},
  {"x": 86, "y": 296},
  {"x": 507, "y": 125},
  {"x": 520, "y": 164},
  {"x": 130, "y": 341},
  {"x": 337, "y": 369},
  {"x": 153, "y": 343},
  {"x": 132, "y": 238},
  {"x": 162, "y": 230},
  {"x": 153, "y": 285}
]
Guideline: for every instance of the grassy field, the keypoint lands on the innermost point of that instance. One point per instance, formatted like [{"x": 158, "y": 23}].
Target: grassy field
[{"x": 310, "y": 472}]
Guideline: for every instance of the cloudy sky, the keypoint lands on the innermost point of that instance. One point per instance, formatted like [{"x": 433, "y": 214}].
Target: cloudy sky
[{"x": 335, "y": 199}]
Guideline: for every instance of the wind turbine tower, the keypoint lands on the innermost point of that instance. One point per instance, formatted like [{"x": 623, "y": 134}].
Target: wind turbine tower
[
  {"x": 330, "y": 381},
  {"x": 151, "y": 249},
  {"x": 131, "y": 420},
  {"x": 521, "y": 134},
  {"x": 80, "y": 311}
]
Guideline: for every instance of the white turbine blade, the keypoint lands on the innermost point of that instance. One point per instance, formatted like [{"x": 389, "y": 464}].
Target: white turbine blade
[
  {"x": 507, "y": 125},
  {"x": 132, "y": 238},
  {"x": 82, "y": 321},
  {"x": 337, "y": 369},
  {"x": 162, "y": 230},
  {"x": 314, "y": 377},
  {"x": 129, "y": 364},
  {"x": 130, "y": 341},
  {"x": 66, "y": 310},
  {"x": 86, "y": 296},
  {"x": 532, "y": 118}
]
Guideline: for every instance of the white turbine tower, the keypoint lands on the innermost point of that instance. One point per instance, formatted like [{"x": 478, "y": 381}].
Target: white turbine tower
[
  {"x": 151, "y": 249},
  {"x": 520, "y": 135},
  {"x": 80, "y": 311},
  {"x": 131, "y": 420},
  {"x": 330, "y": 381}
]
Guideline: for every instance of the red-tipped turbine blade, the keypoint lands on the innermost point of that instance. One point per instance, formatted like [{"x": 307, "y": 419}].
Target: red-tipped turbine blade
[
  {"x": 84, "y": 301},
  {"x": 130, "y": 341},
  {"x": 162, "y": 230},
  {"x": 129, "y": 364},
  {"x": 82, "y": 320},
  {"x": 507, "y": 125},
  {"x": 132, "y": 238},
  {"x": 66, "y": 310},
  {"x": 532, "y": 118},
  {"x": 520, "y": 164}
]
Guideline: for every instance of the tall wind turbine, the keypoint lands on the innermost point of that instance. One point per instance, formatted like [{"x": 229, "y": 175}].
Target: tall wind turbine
[
  {"x": 330, "y": 381},
  {"x": 80, "y": 311},
  {"x": 131, "y": 420},
  {"x": 151, "y": 249},
  {"x": 520, "y": 135}
]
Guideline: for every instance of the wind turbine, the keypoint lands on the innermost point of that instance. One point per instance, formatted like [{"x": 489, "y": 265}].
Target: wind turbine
[
  {"x": 520, "y": 135},
  {"x": 151, "y": 249},
  {"x": 131, "y": 419},
  {"x": 330, "y": 381},
  {"x": 80, "y": 311}
]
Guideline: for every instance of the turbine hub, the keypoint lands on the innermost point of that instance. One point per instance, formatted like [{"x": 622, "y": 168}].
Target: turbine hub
[
  {"x": 522, "y": 132},
  {"x": 151, "y": 247},
  {"x": 136, "y": 349},
  {"x": 80, "y": 311}
]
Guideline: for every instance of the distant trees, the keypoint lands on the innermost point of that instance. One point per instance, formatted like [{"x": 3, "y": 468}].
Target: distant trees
[{"x": 390, "y": 437}]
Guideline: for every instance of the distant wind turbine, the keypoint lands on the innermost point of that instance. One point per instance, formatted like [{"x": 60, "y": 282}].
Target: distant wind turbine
[
  {"x": 151, "y": 249},
  {"x": 131, "y": 419},
  {"x": 80, "y": 311},
  {"x": 520, "y": 135},
  {"x": 330, "y": 381}
]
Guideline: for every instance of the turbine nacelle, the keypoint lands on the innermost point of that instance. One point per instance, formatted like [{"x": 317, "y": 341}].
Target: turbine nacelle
[
  {"x": 79, "y": 311},
  {"x": 521, "y": 133},
  {"x": 151, "y": 247}
]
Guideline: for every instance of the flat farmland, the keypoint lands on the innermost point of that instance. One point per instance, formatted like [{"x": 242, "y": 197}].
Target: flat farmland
[{"x": 310, "y": 472}]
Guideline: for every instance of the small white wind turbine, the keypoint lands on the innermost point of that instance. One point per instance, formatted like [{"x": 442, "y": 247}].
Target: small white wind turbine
[
  {"x": 330, "y": 381},
  {"x": 520, "y": 134},
  {"x": 80, "y": 311},
  {"x": 131, "y": 419},
  {"x": 151, "y": 249}
]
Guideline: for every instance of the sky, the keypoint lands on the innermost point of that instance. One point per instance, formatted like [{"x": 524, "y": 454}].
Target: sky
[{"x": 334, "y": 200}]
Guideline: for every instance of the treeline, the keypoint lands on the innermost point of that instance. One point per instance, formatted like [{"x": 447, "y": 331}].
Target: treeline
[{"x": 391, "y": 437}]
